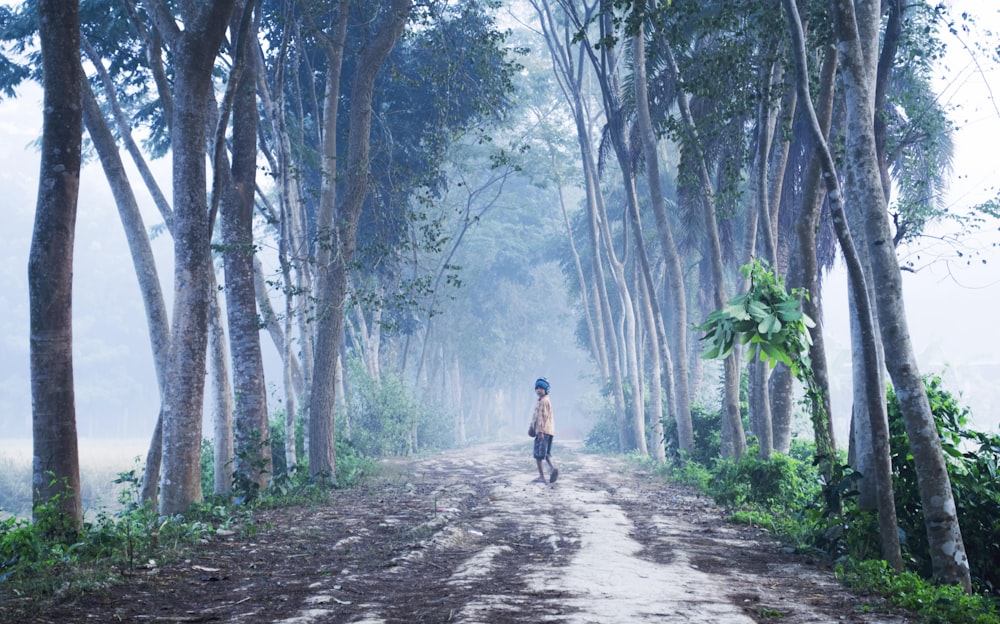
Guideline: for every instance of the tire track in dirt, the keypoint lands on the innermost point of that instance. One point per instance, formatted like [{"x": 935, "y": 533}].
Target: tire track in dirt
[
  {"x": 465, "y": 536},
  {"x": 603, "y": 544}
]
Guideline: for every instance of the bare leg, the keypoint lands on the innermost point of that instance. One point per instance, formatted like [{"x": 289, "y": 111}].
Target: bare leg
[{"x": 541, "y": 475}]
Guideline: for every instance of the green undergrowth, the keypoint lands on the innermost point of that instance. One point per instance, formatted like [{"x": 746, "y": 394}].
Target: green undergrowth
[
  {"x": 39, "y": 566},
  {"x": 907, "y": 590},
  {"x": 784, "y": 496},
  {"x": 820, "y": 516}
]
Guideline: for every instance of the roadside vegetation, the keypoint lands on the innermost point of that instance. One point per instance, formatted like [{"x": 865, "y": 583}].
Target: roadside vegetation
[
  {"x": 121, "y": 537},
  {"x": 787, "y": 496},
  {"x": 45, "y": 561}
]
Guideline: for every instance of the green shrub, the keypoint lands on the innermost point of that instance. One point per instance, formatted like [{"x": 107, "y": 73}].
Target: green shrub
[
  {"x": 603, "y": 436},
  {"x": 706, "y": 427},
  {"x": 689, "y": 473},
  {"x": 380, "y": 418},
  {"x": 781, "y": 482},
  {"x": 935, "y": 603},
  {"x": 973, "y": 462}
]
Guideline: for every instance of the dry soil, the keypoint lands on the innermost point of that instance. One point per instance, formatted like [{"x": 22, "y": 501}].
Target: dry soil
[{"x": 466, "y": 536}]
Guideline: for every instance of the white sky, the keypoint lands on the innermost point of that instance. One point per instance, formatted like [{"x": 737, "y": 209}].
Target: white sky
[{"x": 951, "y": 304}]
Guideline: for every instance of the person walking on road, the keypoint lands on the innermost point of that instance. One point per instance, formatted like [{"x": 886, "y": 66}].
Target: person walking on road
[{"x": 543, "y": 424}]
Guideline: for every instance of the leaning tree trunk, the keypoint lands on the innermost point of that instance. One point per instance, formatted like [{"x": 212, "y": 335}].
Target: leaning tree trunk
[
  {"x": 858, "y": 31},
  {"x": 330, "y": 316},
  {"x": 887, "y": 510},
  {"x": 145, "y": 268},
  {"x": 56, "y": 465}
]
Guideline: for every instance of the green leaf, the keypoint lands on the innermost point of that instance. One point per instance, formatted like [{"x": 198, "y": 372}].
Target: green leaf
[
  {"x": 769, "y": 325},
  {"x": 737, "y": 312}
]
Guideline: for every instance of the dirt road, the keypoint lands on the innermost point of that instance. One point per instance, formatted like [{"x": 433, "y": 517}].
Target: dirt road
[{"x": 467, "y": 537}]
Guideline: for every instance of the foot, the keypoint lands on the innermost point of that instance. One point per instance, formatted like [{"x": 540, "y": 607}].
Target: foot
[
  {"x": 554, "y": 475},
  {"x": 538, "y": 480}
]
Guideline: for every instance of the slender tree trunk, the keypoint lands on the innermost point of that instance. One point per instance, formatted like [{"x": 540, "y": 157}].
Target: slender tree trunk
[
  {"x": 292, "y": 382},
  {"x": 322, "y": 455},
  {"x": 681, "y": 397},
  {"x": 654, "y": 419},
  {"x": 857, "y": 29},
  {"x": 759, "y": 371},
  {"x": 252, "y": 433},
  {"x": 222, "y": 401},
  {"x": 589, "y": 311},
  {"x": 56, "y": 465},
  {"x": 803, "y": 272},
  {"x": 605, "y": 68},
  {"x": 145, "y": 266},
  {"x": 569, "y": 73},
  {"x": 875, "y": 400},
  {"x": 733, "y": 437}
]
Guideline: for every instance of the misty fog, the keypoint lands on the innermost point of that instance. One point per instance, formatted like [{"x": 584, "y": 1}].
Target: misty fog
[{"x": 950, "y": 304}]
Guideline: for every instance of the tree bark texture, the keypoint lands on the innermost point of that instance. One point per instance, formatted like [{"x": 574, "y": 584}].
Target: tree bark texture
[
  {"x": 680, "y": 401},
  {"x": 55, "y": 456},
  {"x": 223, "y": 408},
  {"x": 330, "y": 316},
  {"x": 193, "y": 53},
  {"x": 875, "y": 399},
  {"x": 857, "y": 35},
  {"x": 251, "y": 427}
]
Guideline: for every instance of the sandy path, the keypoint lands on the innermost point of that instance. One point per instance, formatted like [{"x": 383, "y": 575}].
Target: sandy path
[
  {"x": 603, "y": 544},
  {"x": 465, "y": 536}
]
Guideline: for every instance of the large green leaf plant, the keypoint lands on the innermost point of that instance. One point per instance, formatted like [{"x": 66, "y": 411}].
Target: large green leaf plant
[{"x": 767, "y": 317}]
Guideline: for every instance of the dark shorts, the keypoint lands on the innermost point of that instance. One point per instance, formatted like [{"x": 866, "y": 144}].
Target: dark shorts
[{"x": 542, "y": 448}]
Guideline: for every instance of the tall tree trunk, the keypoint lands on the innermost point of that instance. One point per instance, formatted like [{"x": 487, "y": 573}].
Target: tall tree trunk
[
  {"x": 780, "y": 385},
  {"x": 194, "y": 50},
  {"x": 857, "y": 33},
  {"x": 145, "y": 268},
  {"x": 252, "y": 436},
  {"x": 733, "y": 437},
  {"x": 803, "y": 268},
  {"x": 56, "y": 465},
  {"x": 654, "y": 417},
  {"x": 677, "y": 293},
  {"x": 589, "y": 309},
  {"x": 292, "y": 382},
  {"x": 569, "y": 73},
  {"x": 293, "y": 243},
  {"x": 333, "y": 47},
  {"x": 222, "y": 400},
  {"x": 759, "y": 371},
  {"x": 875, "y": 400},
  {"x": 605, "y": 67},
  {"x": 322, "y": 454}
]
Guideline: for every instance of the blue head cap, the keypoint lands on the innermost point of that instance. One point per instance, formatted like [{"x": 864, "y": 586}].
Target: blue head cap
[{"x": 542, "y": 383}]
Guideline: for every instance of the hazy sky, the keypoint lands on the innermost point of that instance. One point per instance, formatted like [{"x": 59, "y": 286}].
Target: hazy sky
[
  {"x": 951, "y": 302},
  {"x": 951, "y": 307}
]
